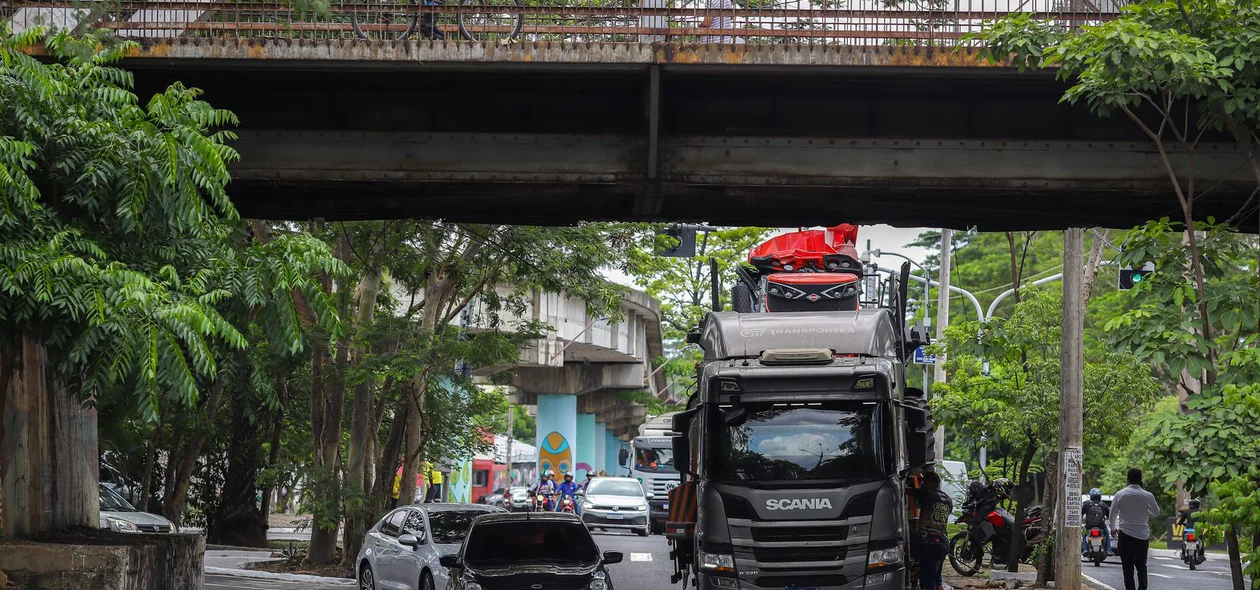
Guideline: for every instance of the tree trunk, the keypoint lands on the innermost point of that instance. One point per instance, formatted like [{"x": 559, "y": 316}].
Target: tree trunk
[
  {"x": 179, "y": 475},
  {"x": 329, "y": 392},
  {"x": 1235, "y": 559},
  {"x": 147, "y": 500},
  {"x": 387, "y": 468},
  {"x": 49, "y": 463},
  {"x": 1021, "y": 506},
  {"x": 359, "y": 515},
  {"x": 1049, "y": 510},
  {"x": 237, "y": 520},
  {"x": 273, "y": 456}
]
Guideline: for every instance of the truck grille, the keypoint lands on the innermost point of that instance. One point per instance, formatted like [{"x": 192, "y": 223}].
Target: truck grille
[
  {"x": 767, "y": 555},
  {"x": 661, "y": 487},
  {"x": 804, "y": 533},
  {"x": 791, "y": 581}
]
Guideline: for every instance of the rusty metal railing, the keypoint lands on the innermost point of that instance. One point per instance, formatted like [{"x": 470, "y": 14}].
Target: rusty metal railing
[{"x": 761, "y": 22}]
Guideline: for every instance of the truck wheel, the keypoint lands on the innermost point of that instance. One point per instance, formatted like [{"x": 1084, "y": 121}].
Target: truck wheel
[{"x": 741, "y": 298}]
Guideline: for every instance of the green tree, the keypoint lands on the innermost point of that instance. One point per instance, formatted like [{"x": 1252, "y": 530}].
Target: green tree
[
  {"x": 111, "y": 213},
  {"x": 1017, "y": 402},
  {"x": 683, "y": 287}
]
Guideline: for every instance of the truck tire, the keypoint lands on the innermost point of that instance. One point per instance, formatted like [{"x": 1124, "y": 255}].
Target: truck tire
[
  {"x": 645, "y": 531},
  {"x": 741, "y": 298}
]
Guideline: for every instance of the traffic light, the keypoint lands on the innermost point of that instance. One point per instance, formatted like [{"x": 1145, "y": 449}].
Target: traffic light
[
  {"x": 686, "y": 237},
  {"x": 1129, "y": 277}
]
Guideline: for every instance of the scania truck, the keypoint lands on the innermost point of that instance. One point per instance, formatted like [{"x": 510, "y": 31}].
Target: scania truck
[
  {"x": 800, "y": 444},
  {"x": 650, "y": 459}
]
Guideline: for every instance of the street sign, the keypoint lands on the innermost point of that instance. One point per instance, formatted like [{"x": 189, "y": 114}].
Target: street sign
[
  {"x": 923, "y": 358},
  {"x": 1130, "y": 277}
]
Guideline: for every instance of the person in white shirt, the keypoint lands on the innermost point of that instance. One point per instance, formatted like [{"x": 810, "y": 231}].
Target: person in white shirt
[
  {"x": 1131, "y": 509},
  {"x": 719, "y": 22}
]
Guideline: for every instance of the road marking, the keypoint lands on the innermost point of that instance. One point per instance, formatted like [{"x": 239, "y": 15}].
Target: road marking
[
  {"x": 640, "y": 557},
  {"x": 1164, "y": 576},
  {"x": 1095, "y": 582},
  {"x": 1163, "y": 558},
  {"x": 1176, "y": 567}
]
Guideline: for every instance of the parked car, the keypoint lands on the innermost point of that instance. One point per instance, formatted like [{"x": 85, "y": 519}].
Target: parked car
[
  {"x": 120, "y": 516},
  {"x": 494, "y": 498},
  {"x": 520, "y": 499},
  {"x": 401, "y": 550},
  {"x": 529, "y": 550},
  {"x": 616, "y": 503}
]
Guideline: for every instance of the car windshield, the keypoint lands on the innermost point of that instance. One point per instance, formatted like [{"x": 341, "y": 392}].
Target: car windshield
[
  {"x": 654, "y": 459},
  {"x": 112, "y": 502},
  {"x": 502, "y": 544},
  {"x": 780, "y": 441},
  {"x": 451, "y": 526},
  {"x": 614, "y": 487}
]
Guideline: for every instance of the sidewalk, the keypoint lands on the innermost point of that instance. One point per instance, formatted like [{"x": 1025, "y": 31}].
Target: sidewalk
[{"x": 232, "y": 562}]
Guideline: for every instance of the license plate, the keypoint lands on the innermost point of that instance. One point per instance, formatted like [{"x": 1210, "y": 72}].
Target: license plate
[
  {"x": 665, "y": 507},
  {"x": 1095, "y": 543},
  {"x": 615, "y": 517}
]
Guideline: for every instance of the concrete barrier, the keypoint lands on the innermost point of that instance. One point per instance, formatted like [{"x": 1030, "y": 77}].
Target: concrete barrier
[{"x": 106, "y": 561}]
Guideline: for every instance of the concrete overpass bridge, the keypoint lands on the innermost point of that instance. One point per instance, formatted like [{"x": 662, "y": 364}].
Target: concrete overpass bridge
[
  {"x": 874, "y": 112},
  {"x": 576, "y": 373}
]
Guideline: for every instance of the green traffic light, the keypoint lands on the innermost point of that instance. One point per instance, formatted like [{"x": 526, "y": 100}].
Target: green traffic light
[{"x": 1137, "y": 278}]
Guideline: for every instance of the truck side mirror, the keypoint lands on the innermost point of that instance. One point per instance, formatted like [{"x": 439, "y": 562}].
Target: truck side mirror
[
  {"x": 622, "y": 455},
  {"x": 682, "y": 454},
  {"x": 920, "y": 438}
]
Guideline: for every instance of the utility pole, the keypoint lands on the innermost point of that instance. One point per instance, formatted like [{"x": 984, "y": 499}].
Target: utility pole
[
  {"x": 1072, "y": 355},
  {"x": 942, "y": 319}
]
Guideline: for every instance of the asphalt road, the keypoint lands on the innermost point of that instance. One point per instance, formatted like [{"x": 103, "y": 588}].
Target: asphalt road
[
  {"x": 1164, "y": 571},
  {"x": 646, "y": 567}
]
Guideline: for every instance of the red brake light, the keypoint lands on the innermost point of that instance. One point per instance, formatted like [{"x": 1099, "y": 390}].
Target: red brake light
[
  {"x": 1095, "y": 533},
  {"x": 1190, "y": 537}
]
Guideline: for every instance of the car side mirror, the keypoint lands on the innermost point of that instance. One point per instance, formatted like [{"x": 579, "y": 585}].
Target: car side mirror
[
  {"x": 449, "y": 561},
  {"x": 409, "y": 540},
  {"x": 611, "y": 557},
  {"x": 649, "y": 495}
]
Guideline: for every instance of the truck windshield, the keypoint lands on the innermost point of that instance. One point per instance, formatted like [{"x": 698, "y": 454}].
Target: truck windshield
[
  {"x": 654, "y": 459},
  {"x": 775, "y": 442}
]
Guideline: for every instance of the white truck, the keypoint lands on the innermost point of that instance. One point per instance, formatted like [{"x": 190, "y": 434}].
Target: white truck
[{"x": 650, "y": 459}]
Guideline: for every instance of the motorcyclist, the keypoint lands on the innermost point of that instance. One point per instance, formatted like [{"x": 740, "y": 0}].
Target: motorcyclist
[
  {"x": 568, "y": 488},
  {"x": 1185, "y": 518},
  {"x": 1095, "y": 514},
  {"x": 545, "y": 488}
]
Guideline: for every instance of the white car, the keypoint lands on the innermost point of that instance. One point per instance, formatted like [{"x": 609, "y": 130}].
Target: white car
[
  {"x": 616, "y": 503},
  {"x": 120, "y": 516},
  {"x": 401, "y": 551}
]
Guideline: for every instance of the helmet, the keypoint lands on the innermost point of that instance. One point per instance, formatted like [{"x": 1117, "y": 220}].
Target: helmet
[
  {"x": 1194, "y": 504},
  {"x": 568, "y": 475},
  {"x": 1004, "y": 487},
  {"x": 1095, "y": 495}
]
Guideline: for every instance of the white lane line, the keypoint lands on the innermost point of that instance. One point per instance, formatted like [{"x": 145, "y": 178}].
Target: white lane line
[
  {"x": 640, "y": 557},
  {"x": 1176, "y": 567},
  {"x": 1096, "y": 582},
  {"x": 1164, "y": 576},
  {"x": 1163, "y": 558}
]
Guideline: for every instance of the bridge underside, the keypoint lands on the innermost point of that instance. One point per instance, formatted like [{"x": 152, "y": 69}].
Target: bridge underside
[{"x": 779, "y": 145}]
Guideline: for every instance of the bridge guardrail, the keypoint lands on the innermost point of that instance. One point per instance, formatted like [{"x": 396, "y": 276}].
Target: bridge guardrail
[{"x": 750, "y": 22}]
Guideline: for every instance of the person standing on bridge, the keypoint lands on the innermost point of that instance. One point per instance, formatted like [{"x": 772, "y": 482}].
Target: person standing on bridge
[{"x": 719, "y": 22}]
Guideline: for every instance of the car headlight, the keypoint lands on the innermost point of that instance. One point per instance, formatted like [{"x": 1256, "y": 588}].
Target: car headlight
[
  {"x": 121, "y": 526},
  {"x": 884, "y": 557},
  {"x": 471, "y": 585},
  {"x": 716, "y": 562},
  {"x": 598, "y": 584},
  {"x": 587, "y": 505},
  {"x": 641, "y": 508}
]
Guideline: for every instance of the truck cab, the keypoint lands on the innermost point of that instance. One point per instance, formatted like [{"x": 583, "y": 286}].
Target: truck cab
[
  {"x": 798, "y": 447},
  {"x": 650, "y": 459}
]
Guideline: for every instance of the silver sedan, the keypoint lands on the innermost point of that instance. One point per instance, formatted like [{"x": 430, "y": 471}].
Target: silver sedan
[{"x": 401, "y": 551}]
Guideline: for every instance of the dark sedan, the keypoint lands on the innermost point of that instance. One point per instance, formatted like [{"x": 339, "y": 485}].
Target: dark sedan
[{"x": 529, "y": 550}]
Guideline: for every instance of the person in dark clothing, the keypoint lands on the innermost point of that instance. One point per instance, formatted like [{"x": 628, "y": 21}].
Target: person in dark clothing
[
  {"x": 1095, "y": 513},
  {"x": 935, "y": 507}
]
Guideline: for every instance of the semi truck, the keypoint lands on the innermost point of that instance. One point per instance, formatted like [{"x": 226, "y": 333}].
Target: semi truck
[
  {"x": 650, "y": 459},
  {"x": 799, "y": 448}
]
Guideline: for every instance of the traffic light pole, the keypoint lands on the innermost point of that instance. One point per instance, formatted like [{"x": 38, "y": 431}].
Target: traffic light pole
[{"x": 942, "y": 320}]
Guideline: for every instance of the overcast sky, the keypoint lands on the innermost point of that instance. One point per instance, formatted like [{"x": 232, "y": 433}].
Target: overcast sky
[{"x": 882, "y": 237}]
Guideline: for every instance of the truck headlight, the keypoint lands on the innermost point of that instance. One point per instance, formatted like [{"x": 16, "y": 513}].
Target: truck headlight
[
  {"x": 883, "y": 578},
  {"x": 716, "y": 562},
  {"x": 884, "y": 557},
  {"x": 121, "y": 526}
]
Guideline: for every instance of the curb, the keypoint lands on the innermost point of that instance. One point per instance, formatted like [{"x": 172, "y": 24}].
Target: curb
[{"x": 223, "y": 571}]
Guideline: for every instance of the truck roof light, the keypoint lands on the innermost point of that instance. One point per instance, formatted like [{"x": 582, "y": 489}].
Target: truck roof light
[{"x": 797, "y": 356}]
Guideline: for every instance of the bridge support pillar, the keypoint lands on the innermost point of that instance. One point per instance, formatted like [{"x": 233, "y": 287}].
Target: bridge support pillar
[
  {"x": 601, "y": 447},
  {"x": 612, "y": 448},
  {"x": 557, "y": 435},
  {"x": 585, "y": 447}
]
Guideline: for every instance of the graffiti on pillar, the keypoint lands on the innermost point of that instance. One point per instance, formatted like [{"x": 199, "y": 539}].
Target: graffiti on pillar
[
  {"x": 461, "y": 482},
  {"x": 556, "y": 454},
  {"x": 582, "y": 469}
]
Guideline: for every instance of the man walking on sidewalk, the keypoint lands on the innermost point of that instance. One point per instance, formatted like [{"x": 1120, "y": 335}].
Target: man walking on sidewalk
[{"x": 1133, "y": 507}]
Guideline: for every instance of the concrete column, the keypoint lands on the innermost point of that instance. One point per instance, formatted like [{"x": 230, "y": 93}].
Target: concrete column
[
  {"x": 557, "y": 433},
  {"x": 585, "y": 446},
  {"x": 601, "y": 447},
  {"x": 612, "y": 447}
]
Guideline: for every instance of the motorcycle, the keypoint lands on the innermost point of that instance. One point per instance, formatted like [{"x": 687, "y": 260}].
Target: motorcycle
[
  {"x": 1097, "y": 548},
  {"x": 542, "y": 502},
  {"x": 567, "y": 504},
  {"x": 1192, "y": 549},
  {"x": 987, "y": 523}
]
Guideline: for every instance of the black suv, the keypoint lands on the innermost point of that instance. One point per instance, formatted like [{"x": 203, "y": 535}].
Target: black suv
[{"x": 530, "y": 550}]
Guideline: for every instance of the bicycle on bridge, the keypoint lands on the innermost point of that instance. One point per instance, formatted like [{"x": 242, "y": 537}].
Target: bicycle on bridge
[{"x": 397, "y": 20}]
